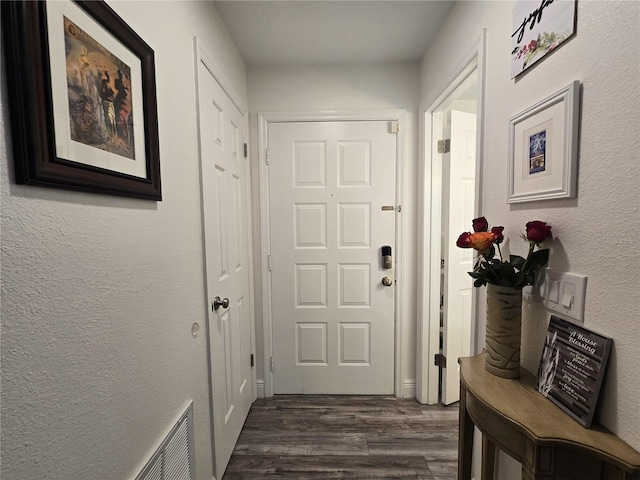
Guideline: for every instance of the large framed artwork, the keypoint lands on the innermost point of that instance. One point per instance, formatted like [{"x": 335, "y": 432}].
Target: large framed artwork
[
  {"x": 539, "y": 28},
  {"x": 543, "y": 148},
  {"x": 82, "y": 99}
]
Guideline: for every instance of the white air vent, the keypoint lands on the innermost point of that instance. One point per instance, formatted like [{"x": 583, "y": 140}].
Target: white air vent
[{"x": 173, "y": 460}]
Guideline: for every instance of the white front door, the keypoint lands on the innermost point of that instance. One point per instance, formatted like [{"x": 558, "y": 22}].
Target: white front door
[
  {"x": 332, "y": 208},
  {"x": 459, "y": 205},
  {"x": 224, "y": 190}
]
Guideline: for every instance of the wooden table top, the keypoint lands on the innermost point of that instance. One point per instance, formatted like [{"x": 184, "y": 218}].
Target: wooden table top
[{"x": 537, "y": 417}]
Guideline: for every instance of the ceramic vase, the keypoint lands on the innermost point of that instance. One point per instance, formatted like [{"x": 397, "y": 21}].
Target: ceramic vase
[{"x": 504, "y": 321}]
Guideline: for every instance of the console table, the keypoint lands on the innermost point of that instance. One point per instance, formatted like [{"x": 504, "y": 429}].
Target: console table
[{"x": 514, "y": 417}]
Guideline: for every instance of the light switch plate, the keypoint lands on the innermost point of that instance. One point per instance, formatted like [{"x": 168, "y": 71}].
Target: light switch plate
[
  {"x": 570, "y": 298},
  {"x": 560, "y": 292}
]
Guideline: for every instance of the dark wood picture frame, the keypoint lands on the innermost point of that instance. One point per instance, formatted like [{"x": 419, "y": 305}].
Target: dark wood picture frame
[{"x": 29, "y": 83}]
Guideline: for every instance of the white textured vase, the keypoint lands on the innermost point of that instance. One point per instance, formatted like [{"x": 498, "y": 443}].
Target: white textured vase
[{"x": 504, "y": 322}]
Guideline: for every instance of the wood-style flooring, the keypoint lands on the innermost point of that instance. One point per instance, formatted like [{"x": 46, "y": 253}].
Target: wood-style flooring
[{"x": 346, "y": 437}]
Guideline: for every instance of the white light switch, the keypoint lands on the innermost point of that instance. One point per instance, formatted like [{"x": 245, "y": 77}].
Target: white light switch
[
  {"x": 567, "y": 295},
  {"x": 553, "y": 291}
]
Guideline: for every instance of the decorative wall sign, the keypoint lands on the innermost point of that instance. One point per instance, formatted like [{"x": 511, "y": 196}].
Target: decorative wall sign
[
  {"x": 82, "y": 99},
  {"x": 539, "y": 27},
  {"x": 572, "y": 367},
  {"x": 543, "y": 148}
]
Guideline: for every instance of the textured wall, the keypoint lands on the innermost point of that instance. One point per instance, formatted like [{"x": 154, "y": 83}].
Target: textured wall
[
  {"x": 99, "y": 292},
  {"x": 596, "y": 232},
  {"x": 346, "y": 88}
]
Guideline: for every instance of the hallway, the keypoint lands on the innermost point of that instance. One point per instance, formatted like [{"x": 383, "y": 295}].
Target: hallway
[{"x": 346, "y": 437}]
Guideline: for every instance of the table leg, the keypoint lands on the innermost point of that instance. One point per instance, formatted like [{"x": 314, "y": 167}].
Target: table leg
[
  {"x": 488, "y": 458},
  {"x": 465, "y": 438}
]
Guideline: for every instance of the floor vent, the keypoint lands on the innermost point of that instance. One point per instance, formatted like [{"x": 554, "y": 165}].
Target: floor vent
[{"x": 174, "y": 459}]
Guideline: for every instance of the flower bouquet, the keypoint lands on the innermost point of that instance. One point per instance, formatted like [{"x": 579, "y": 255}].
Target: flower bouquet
[{"x": 517, "y": 272}]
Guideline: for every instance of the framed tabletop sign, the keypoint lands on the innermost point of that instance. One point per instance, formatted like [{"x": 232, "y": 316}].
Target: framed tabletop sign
[
  {"x": 572, "y": 368},
  {"x": 82, "y": 99}
]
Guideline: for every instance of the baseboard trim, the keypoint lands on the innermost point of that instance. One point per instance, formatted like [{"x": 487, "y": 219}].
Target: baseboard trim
[
  {"x": 260, "y": 388},
  {"x": 408, "y": 389}
]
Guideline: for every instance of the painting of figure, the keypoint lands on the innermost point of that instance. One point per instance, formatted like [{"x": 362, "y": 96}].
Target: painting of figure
[
  {"x": 537, "y": 152},
  {"x": 99, "y": 92}
]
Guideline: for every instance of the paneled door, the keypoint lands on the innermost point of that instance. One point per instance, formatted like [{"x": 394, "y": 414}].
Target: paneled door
[
  {"x": 332, "y": 208},
  {"x": 459, "y": 175},
  {"x": 224, "y": 195}
]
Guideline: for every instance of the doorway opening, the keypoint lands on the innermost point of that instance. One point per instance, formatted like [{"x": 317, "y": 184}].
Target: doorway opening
[
  {"x": 454, "y": 133},
  {"x": 452, "y": 129}
]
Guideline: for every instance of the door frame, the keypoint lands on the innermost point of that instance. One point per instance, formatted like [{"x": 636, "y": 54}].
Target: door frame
[
  {"x": 264, "y": 119},
  {"x": 201, "y": 55},
  {"x": 428, "y": 323}
]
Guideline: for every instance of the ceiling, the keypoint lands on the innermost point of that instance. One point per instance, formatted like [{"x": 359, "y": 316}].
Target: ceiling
[{"x": 291, "y": 32}]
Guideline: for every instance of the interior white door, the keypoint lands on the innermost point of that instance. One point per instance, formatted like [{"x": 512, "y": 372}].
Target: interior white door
[
  {"x": 224, "y": 190},
  {"x": 460, "y": 205},
  {"x": 332, "y": 208}
]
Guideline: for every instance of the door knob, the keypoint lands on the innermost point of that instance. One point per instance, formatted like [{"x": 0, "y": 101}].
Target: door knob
[
  {"x": 217, "y": 303},
  {"x": 386, "y": 281}
]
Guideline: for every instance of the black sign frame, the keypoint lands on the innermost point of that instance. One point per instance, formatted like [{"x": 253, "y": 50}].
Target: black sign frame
[{"x": 572, "y": 368}]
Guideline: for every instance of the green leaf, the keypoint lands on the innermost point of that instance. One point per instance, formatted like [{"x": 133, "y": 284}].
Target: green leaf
[
  {"x": 517, "y": 261},
  {"x": 505, "y": 270},
  {"x": 539, "y": 257}
]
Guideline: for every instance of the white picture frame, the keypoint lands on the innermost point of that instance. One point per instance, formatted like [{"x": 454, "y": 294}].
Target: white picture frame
[{"x": 543, "y": 148}]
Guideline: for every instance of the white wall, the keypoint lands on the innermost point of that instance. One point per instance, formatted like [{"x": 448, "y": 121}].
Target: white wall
[
  {"x": 99, "y": 292},
  {"x": 596, "y": 232},
  {"x": 346, "y": 88}
]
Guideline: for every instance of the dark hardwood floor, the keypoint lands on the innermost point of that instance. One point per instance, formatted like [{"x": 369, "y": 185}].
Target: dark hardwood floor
[{"x": 346, "y": 437}]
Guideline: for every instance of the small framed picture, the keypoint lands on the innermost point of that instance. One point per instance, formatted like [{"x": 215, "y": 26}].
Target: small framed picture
[{"x": 543, "y": 148}]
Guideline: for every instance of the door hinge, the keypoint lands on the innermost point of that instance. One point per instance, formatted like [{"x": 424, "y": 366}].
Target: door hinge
[
  {"x": 246, "y": 151},
  {"x": 272, "y": 364},
  {"x": 440, "y": 360},
  {"x": 269, "y": 262},
  {"x": 267, "y": 156},
  {"x": 394, "y": 126},
  {"x": 444, "y": 146},
  {"x": 252, "y": 361}
]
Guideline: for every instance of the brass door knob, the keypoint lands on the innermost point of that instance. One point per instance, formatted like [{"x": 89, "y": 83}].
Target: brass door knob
[{"x": 387, "y": 282}]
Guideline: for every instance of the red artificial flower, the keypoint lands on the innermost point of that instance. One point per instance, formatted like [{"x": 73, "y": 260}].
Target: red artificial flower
[
  {"x": 538, "y": 232},
  {"x": 463, "y": 240},
  {"x": 497, "y": 231},
  {"x": 480, "y": 224}
]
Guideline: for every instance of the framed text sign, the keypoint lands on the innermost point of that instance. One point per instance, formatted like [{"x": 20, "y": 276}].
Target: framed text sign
[
  {"x": 572, "y": 368},
  {"x": 539, "y": 27}
]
